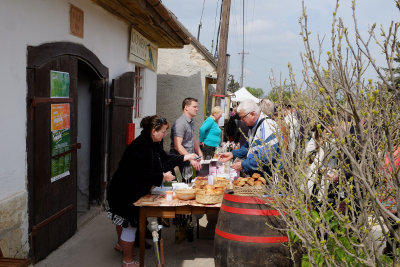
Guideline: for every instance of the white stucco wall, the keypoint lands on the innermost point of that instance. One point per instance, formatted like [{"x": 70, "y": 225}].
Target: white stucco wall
[
  {"x": 184, "y": 62},
  {"x": 26, "y": 23},
  {"x": 148, "y": 106},
  {"x": 181, "y": 74}
]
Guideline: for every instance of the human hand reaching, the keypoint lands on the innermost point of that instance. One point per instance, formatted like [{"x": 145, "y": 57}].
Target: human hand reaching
[
  {"x": 196, "y": 164},
  {"x": 168, "y": 176},
  {"x": 226, "y": 156},
  {"x": 237, "y": 166},
  {"x": 192, "y": 156}
]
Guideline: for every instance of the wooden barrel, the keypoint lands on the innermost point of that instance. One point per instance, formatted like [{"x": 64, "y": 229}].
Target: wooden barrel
[{"x": 243, "y": 237}]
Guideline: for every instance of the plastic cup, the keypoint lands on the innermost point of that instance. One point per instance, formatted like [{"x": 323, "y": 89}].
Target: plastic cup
[
  {"x": 169, "y": 195},
  {"x": 211, "y": 179}
]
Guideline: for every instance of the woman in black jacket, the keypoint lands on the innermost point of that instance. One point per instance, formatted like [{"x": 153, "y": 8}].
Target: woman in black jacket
[{"x": 143, "y": 165}]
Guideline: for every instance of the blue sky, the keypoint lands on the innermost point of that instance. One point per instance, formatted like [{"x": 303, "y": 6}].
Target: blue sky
[{"x": 272, "y": 30}]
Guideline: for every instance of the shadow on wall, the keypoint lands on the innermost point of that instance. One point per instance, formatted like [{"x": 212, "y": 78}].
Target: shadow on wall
[{"x": 171, "y": 90}]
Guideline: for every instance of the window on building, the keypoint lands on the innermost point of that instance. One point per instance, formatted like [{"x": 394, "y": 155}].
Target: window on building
[{"x": 138, "y": 98}]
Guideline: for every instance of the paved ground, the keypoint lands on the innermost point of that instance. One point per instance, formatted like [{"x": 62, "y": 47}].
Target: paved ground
[{"x": 92, "y": 245}]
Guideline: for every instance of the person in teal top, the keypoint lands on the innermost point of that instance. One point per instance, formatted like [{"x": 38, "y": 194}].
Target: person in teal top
[{"x": 210, "y": 133}]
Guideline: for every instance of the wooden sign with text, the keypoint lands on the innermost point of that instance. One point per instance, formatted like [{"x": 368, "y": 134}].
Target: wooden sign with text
[{"x": 76, "y": 21}]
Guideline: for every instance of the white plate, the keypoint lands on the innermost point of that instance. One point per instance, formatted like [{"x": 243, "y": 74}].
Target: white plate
[
  {"x": 179, "y": 186},
  {"x": 160, "y": 190}
]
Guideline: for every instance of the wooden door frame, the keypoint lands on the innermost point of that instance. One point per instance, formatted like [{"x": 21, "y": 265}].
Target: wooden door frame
[
  {"x": 208, "y": 80},
  {"x": 39, "y": 55},
  {"x": 36, "y": 57},
  {"x": 121, "y": 112}
]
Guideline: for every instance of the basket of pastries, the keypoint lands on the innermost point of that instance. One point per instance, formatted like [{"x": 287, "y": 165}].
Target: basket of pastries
[
  {"x": 222, "y": 181},
  {"x": 250, "y": 186},
  {"x": 210, "y": 194},
  {"x": 200, "y": 182}
]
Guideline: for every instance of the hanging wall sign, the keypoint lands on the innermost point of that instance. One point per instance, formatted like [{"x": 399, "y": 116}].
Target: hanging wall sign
[
  {"x": 60, "y": 142},
  {"x": 142, "y": 51},
  {"x": 59, "y": 84},
  {"x": 76, "y": 20}
]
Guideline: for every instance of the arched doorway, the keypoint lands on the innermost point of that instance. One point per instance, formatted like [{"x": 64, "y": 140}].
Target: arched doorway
[{"x": 66, "y": 111}]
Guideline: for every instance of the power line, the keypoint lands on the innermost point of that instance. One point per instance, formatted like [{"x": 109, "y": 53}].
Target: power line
[
  {"x": 249, "y": 43},
  {"x": 200, "y": 24},
  {"x": 219, "y": 27},
  {"x": 235, "y": 26},
  {"x": 281, "y": 64},
  {"x": 215, "y": 27}
]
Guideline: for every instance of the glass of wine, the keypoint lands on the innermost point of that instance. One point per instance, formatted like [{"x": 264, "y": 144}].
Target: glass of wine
[{"x": 187, "y": 173}]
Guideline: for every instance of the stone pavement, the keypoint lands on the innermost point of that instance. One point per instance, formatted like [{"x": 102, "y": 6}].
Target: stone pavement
[{"x": 92, "y": 245}]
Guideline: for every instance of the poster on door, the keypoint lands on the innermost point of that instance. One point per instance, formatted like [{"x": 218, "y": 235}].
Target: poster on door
[
  {"x": 60, "y": 114},
  {"x": 59, "y": 84},
  {"x": 60, "y": 143}
]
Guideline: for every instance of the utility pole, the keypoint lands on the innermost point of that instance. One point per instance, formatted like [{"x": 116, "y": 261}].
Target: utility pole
[
  {"x": 243, "y": 53},
  {"x": 223, "y": 44},
  {"x": 242, "y": 75}
]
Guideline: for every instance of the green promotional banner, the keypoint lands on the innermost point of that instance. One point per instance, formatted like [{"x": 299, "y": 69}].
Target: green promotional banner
[
  {"x": 59, "y": 84},
  {"x": 60, "y": 142}
]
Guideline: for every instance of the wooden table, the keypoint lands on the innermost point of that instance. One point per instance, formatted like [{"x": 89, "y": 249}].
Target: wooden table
[{"x": 157, "y": 206}]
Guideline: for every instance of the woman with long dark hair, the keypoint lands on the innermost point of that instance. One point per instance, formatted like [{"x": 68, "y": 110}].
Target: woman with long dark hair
[{"x": 144, "y": 164}]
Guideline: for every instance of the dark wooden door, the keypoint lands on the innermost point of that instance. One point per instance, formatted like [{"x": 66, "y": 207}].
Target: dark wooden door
[
  {"x": 122, "y": 102},
  {"x": 99, "y": 89},
  {"x": 52, "y": 205}
]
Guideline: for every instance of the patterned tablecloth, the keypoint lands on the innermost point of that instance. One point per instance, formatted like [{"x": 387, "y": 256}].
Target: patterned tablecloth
[{"x": 160, "y": 200}]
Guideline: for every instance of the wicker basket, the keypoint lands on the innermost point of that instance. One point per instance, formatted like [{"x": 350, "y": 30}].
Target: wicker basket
[
  {"x": 204, "y": 198},
  {"x": 253, "y": 191},
  {"x": 222, "y": 181},
  {"x": 185, "y": 194}
]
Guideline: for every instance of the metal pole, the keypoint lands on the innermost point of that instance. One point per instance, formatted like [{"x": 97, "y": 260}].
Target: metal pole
[
  {"x": 228, "y": 58},
  {"x": 198, "y": 32},
  {"x": 241, "y": 77},
  {"x": 227, "y": 99}
]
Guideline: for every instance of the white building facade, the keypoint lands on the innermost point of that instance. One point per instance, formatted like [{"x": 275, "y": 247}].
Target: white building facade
[{"x": 30, "y": 28}]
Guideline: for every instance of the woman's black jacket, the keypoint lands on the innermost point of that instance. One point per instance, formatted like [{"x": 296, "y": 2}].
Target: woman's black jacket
[{"x": 141, "y": 167}]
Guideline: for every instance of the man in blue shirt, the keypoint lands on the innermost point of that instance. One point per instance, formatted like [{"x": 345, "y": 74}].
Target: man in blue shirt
[{"x": 262, "y": 148}]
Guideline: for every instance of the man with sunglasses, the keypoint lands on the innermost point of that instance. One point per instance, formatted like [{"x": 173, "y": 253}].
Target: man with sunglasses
[{"x": 262, "y": 145}]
